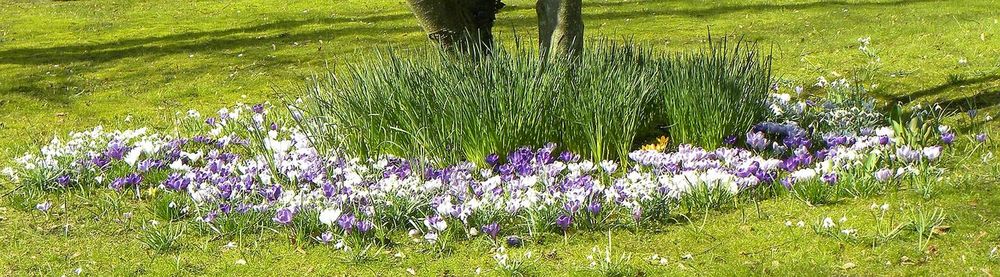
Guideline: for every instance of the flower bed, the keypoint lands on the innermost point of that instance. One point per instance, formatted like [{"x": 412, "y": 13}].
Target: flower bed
[{"x": 250, "y": 166}]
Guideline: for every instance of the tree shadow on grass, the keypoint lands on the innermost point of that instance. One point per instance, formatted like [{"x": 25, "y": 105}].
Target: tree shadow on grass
[
  {"x": 753, "y": 8},
  {"x": 939, "y": 89},
  {"x": 202, "y": 41}
]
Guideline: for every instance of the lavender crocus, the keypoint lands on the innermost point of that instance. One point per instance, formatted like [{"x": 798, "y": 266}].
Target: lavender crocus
[
  {"x": 564, "y": 221},
  {"x": 883, "y": 175},
  {"x": 569, "y": 157},
  {"x": 364, "y": 226},
  {"x": 981, "y": 137},
  {"x": 594, "y": 207},
  {"x": 830, "y": 178},
  {"x": 492, "y": 229},
  {"x": 325, "y": 237},
  {"x": 492, "y": 159},
  {"x": 283, "y": 216},
  {"x": 44, "y": 206},
  {"x": 176, "y": 181},
  {"x": 63, "y": 180},
  {"x": 572, "y": 206},
  {"x": 347, "y": 222},
  {"x": 116, "y": 150},
  {"x": 948, "y": 138},
  {"x": 729, "y": 140},
  {"x": 884, "y": 140},
  {"x": 756, "y": 140}
]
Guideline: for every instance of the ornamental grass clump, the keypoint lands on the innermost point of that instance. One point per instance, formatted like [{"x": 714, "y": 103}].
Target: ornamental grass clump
[
  {"x": 715, "y": 93},
  {"x": 431, "y": 104},
  {"x": 435, "y": 105}
]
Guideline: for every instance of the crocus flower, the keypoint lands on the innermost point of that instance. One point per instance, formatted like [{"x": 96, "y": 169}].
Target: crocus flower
[
  {"x": 609, "y": 166},
  {"x": 436, "y": 223},
  {"x": 828, "y": 223},
  {"x": 325, "y": 237},
  {"x": 972, "y": 113},
  {"x": 492, "y": 229},
  {"x": 757, "y": 140},
  {"x": 830, "y": 178},
  {"x": 347, "y": 222},
  {"x": 572, "y": 206},
  {"x": 981, "y": 137},
  {"x": 44, "y": 206},
  {"x": 116, "y": 150},
  {"x": 63, "y": 180},
  {"x": 884, "y": 140},
  {"x": 492, "y": 159},
  {"x": 908, "y": 154},
  {"x": 329, "y": 216},
  {"x": 283, "y": 216},
  {"x": 594, "y": 207},
  {"x": 364, "y": 226},
  {"x": 947, "y": 138},
  {"x": 569, "y": 157},
  {"x": 563, "y": 221},
  {"x": 514, "y": 241},
  {"x": 730, "y": 140},
  {"x": 932, "y": 152},
  {"x": 883, "y": 175}
]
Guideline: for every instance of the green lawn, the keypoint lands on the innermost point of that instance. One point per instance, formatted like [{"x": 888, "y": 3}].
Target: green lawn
[{"x": 70, "y": 65}]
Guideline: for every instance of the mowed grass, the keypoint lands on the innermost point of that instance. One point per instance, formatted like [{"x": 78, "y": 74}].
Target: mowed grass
[{"x": 69, "y": 65}]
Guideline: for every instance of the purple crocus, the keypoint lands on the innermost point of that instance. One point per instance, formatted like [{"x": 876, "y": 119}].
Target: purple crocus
[
  {"x": 492, "y": 229},
  {"x": 325, "y": 237},
  {"x": 572, "y": 206},
  {"x": 563, "y": 221},
  {"x": 347, "y": 222},
  {"x": 729, "y": 140},
  {"x": 569, "y": 157},
  {"x": 883, "y": 175},
  {"x": 981, "y": 137},
  {"x": 884, "y": 140},
  {"x": 830, "y": 178},
  {"x": 259, "y": 108},
  {"x": 284, "y": 216},
  {"x": 176, "y": 181},
  {"x": 364, "y": 226},
  {"x": 948, "y": 138},
  {"x": 594, "y": 207},
  {"x": 492, "y": 159},
  {"x": 273, "y": 193},
  {"x": 787, "y": 182},
  {"x": 637, "y": 213},
  {"x": 756, "y": 140},
  {"x": 63, "y": 180},
  {"x": 116, "y": 150},
  {"x": 44, "y": 206},
  {"x": 131, "y": 179}
]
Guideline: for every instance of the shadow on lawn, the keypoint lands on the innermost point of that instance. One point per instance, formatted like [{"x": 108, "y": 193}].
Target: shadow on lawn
[
  {"x": 945, "y": 87},
  {"x": 259, "y": 35},
  {"x": 254, "y": 39},
  {"x": 753, "y": 8}
]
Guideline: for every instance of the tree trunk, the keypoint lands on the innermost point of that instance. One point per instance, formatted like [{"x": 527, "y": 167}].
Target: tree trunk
[
  {"x": 462, "y": 25},
  {"x": 560, "y": 28}
]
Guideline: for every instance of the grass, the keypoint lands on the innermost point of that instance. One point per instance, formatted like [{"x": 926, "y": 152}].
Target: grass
[{"x": 73, "y": 64}]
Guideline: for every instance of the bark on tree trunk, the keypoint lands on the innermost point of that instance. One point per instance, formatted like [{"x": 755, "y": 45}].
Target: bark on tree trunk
[
  {"x": 560, "y": 28},
  {"x": 462, "y": 25}
]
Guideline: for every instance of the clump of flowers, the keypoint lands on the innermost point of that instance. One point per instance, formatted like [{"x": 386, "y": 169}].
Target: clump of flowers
[{"x": 247, "y": 167}]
